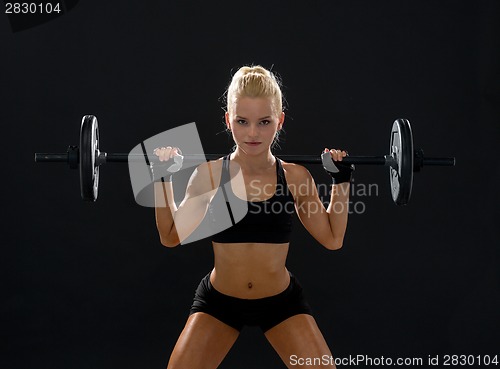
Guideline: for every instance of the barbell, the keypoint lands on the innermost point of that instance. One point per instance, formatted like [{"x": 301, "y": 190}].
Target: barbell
[{"x": 403, "y": 160}]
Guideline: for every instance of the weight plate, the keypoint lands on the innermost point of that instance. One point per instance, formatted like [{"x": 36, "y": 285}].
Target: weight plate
[
  {"x": 89, "y": 152},
  {"x": 401, "y": 149}
]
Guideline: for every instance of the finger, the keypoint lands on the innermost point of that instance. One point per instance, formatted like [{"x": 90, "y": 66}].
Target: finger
[
  {"x": 168, "y": 153},
  {"x": 171, "y": 152},
  {"x": 335, "y": 154},
  {"x": 158, "y": 152},
  {"x": 162, "y": 153}
]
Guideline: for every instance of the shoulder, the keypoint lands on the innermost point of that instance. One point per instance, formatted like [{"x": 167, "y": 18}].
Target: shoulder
[
  {"x": 300, "y": 181},
  {"x": 296, "y": 173},
  {"x": 206, "y": 176},
  {"x": 210, "y": 165}
]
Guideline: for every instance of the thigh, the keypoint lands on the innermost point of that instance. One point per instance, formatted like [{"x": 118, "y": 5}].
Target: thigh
[
  {"x": 300, "y": 343},
  {"x": 203, "y": 343}
]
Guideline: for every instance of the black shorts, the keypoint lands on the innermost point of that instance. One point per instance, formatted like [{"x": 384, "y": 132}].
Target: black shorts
[{"x": 265, "y": 312}]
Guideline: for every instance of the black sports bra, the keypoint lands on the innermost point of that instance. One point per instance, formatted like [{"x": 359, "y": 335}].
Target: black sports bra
[{"x": 268, "y": 221}]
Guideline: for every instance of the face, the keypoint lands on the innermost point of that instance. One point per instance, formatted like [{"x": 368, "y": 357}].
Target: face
[{"x": 254, "y": 124}]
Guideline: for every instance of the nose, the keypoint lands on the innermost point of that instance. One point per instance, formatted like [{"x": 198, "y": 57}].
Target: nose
[{"x": 253, "y": 131}]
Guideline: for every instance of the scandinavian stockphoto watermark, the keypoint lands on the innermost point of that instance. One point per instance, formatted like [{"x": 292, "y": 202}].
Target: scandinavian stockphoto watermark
[{"x": 309, "y": 193}]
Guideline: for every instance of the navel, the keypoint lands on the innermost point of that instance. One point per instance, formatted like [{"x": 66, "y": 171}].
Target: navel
[{"x": 250, "y": 285}]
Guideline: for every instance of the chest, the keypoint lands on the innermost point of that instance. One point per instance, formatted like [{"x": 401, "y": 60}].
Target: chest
[{"x": 254, "y": 187}]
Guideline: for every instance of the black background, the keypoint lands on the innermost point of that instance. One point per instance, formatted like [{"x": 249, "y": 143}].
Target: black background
[{"x": 88, "y": 285}]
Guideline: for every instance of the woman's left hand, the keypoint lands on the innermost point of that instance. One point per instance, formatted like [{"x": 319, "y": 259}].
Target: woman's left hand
[{"x": 337, "y": 155}]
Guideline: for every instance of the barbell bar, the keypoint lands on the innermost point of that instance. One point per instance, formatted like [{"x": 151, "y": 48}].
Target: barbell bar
[
  {"x": 403, "y": 160},
  {"x": 299, "y": 159}
]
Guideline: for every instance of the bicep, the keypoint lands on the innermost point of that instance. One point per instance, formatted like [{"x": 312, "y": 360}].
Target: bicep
[
  {"x": 193, "y": 207},
  {"x": 310, "y": 209}
]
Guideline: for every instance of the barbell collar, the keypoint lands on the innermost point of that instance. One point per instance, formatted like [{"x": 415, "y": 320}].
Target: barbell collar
[
  {"x": 390, "y": 161},
  {"x": 101, "y": 158}
]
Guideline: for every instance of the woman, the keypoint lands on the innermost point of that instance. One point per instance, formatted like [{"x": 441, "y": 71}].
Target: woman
[{"x": 249, "y": 284}]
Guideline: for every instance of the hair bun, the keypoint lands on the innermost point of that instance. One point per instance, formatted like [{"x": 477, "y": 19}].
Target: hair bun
[
  {"x": 255, "y": 81},
  {"x": 256, "y": 69}
]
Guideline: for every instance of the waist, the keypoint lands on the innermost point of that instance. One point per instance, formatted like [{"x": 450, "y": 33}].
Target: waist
[
  {"x": 249, "y": 286},
  {"x": 250, "y": 259}
]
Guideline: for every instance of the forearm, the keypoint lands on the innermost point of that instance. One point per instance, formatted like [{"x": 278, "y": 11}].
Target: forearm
[
  {"x": 165, "y": 209},
  {"x": 338, "y": 211}
]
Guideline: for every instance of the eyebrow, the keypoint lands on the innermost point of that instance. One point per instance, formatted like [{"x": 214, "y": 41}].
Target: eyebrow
[{"x": 238, "y": 116}]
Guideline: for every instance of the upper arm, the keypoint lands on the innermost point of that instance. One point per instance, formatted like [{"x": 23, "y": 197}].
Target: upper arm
[
  {"x": 199, "y": 192},
  {"x": 201, "y": 184},
  {"x": 309, "y": 207}
]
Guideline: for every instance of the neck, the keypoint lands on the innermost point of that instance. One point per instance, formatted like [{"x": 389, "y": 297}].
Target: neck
[{"x": 261, "y": 161}]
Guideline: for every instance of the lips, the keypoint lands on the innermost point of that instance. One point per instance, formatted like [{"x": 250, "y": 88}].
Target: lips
[{"x": 253, "y": 143}]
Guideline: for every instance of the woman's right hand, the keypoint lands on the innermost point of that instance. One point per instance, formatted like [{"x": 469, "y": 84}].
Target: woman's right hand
[{"x": 166, "y": 153}]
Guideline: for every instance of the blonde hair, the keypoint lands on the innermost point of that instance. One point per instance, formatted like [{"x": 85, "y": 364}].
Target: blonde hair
[{"x": 254, "y": 81}]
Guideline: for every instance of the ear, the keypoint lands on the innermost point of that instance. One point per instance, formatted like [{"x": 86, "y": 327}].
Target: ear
[
  {"x": 281, "y": 120},
  {"x": 228, "y": 124}
]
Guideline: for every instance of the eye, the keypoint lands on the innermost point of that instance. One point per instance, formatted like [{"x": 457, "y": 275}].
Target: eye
[
  {"x": 265, "y": 122},
  {"x": 241, "y": 121}
]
